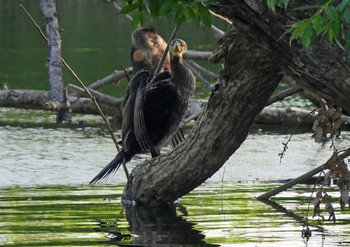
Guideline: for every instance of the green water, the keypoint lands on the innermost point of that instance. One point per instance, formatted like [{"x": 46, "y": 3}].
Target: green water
[
  {"x": 215, "y": 214},
  {"x": 95, "y": 42},
  {"x": 45, "y": 199}
]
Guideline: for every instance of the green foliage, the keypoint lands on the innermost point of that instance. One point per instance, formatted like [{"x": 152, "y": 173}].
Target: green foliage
[
  {"x": 328, "y": 20},
  {"x": 272, "y": 3},
  {"x": 181, "y": 10}
]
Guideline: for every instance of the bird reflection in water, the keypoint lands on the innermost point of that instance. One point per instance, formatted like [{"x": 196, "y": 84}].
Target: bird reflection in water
[{"x": 158, "y": 226}]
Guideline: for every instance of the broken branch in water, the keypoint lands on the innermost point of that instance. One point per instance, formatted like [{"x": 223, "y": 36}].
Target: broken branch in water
[{"x": 336, "y": 157}]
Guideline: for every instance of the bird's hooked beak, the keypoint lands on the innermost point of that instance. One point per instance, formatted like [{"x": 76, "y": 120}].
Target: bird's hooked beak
[{"x": 177, "y": 47}]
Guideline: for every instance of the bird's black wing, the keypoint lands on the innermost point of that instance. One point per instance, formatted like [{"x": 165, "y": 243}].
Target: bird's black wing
[
  {"x": 128, "y": 107},
  {"x": 140, "y": 128}
]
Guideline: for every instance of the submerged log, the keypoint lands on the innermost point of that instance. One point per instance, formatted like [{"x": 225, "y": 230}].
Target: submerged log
[
  {"x": 330, "y": 162},
  {"x": 35, "y": 99}
]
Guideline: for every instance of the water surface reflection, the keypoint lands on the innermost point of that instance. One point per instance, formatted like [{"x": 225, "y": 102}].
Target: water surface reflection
[{"x": 162, "y": 227}]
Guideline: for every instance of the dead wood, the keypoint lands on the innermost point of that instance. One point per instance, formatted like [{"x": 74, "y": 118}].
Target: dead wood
[
  {"x": 57, "y": 100},
  {"x": 35, "y": 99}
]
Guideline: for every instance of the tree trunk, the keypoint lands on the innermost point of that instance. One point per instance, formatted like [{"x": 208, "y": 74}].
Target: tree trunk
[
  {"x": 56, "y": 94},
  {"x": 323, "y": 69},
  {"x": 255, "y": 54},
  {"x": 239, "y": 96}
]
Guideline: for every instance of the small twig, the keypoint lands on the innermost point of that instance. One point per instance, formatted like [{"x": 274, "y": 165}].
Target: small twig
[
  {"x": 33, "y": 21},
  {"x": 126, "y": 73},
  {"x": 285, "y": 145}
]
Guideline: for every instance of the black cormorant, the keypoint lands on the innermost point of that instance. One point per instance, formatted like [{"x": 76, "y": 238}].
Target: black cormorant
[
  {"x": 147, "y": 48},
  {"x": 152, "y": 111}
]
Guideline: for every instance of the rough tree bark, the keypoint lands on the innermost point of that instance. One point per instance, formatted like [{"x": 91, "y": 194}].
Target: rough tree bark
[
  {"x": 322, "y": 70},
  {"x": 254, "y": 56},
  {"x": 57, "y": 100}
]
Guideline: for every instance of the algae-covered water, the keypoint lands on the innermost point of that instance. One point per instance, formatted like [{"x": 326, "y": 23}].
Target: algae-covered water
[
  {"x": 45, "y": 198},
  {"x": 215, "y": 214}
]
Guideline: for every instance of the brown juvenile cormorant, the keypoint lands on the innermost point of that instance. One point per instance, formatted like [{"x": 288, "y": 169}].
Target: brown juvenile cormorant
[
  {"x": 147, "y": 48},
  {"x": 152, "y": 111}
]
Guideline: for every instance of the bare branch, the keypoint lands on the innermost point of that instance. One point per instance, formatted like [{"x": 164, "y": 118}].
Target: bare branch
[
  {"x": 203, "y": 70},
  {"x": 100, "y": 97},
  {"x": 116, "y": 76},
  {"x": 216, "y": 32},
  {"x": 199, "y": 76},
  {"x": 284, "y": 94},
  {"x": 197, "y": 55}
]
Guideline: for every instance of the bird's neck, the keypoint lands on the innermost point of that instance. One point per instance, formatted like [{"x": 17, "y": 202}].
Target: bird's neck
[
  {"x": 177, "y": 66},
  {"x": 182, "y": 76},
  {"x": 176, "y": 61}
]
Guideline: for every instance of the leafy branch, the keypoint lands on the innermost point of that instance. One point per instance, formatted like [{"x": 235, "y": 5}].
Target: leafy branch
[
  {"x": 181, "y": 10},
  {"x": 328, "y": 20}
]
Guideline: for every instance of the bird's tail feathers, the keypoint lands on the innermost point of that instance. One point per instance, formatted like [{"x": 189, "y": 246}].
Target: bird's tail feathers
[{"x": 112, "y": 167}]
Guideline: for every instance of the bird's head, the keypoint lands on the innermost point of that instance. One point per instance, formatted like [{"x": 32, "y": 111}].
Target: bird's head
[{"x": 178, "y": 47}]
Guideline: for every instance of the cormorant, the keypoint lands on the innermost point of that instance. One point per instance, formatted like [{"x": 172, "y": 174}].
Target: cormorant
[
  {"x": 147, "y": 48},
  {"x": 152, "y": 111}
]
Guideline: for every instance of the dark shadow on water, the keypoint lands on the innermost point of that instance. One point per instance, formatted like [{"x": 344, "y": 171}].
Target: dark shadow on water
[
  {"x": 158, "y": 227},
  {"x": 279, "y": 208}
]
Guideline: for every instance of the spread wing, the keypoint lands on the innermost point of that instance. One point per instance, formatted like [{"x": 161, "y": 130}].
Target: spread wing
[
  {"x": 128, "y": 107},
  {"x": 139, "y": 118}
]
